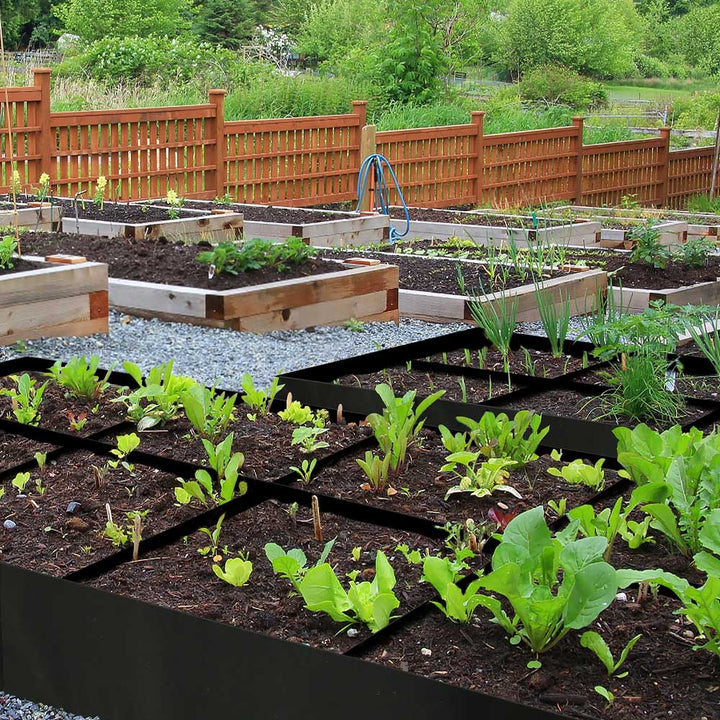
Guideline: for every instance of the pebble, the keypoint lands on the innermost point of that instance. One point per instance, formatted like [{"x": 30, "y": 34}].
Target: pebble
[
  {"x": 353, "y": 632},
  {"x": 12, "y": 708},
  {"x": 9, "y": 525},
  {"x": 622, "y": 597},
  {"x": 427, "y": 652},
  {"x": 72, "y": 507}
]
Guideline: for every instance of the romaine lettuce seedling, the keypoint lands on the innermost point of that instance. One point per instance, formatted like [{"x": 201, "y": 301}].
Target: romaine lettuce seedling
[{"x": 25, "y": 398}]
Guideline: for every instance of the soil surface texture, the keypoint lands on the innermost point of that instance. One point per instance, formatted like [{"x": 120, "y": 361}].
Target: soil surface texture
[
  {"x": 666, "y": 678},
  {"x": 118, "y": 212},
  {"x": 161, "y": 261},
  {"x": 179, "y": 577}
]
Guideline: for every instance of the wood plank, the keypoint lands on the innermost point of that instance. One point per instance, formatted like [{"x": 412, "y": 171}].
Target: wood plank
[
  {"x": 75, "y": 328},
  {"x": 29, "y": 317},
  {"x": 49, "y": 282},
  {"x": 299, "y": 292},
  {"x": 155, "y": 298},
  {"x": 707, "y": 293},
  {"x": 361, "y": 307}
]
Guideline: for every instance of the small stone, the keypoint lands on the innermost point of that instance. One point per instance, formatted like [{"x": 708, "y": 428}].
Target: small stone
[
  {"x": 622, "y": 597},
  {"x": 72, "y": 507},
  {"x": 688, "y": 634},
  {"x": 353, "y": 632},
  {"x": 9, "y": 525},
  {"x": 427, "y": 652}
]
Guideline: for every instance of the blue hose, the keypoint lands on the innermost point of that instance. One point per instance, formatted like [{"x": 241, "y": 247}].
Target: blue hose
[{"x": 381, "y": 201}]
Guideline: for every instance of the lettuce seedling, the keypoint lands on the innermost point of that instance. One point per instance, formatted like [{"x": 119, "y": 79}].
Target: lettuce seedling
[
  {"x": 595, "y": 642},
  {"x": 25, "y": 398},
  {"x": 156, "y": 400},
  {"x": 368, "y": 602},
  {"x": 299, "y": 414},
  {"x": 443, "y": 574},
  {"x": 20, "y": 481},
  {"x": 307, "y": 439},
  {"x": 554, "y": 585},
  {"x": 578, "y": 472},
  {"x": 257, "y": 399},
  {"x": 78, "y": 376},
  {"x": 292, "y": 565},
  {"x": 209, "y": 412},
  {"x": 237, "y": 571},
  {"x": 499, "y": 437},
  {"x": 482, "y": 479},
  {"x": 125, "y": 445}
]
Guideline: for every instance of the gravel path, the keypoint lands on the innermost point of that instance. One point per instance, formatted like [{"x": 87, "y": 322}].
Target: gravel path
[{"x": 220, "y": 357}]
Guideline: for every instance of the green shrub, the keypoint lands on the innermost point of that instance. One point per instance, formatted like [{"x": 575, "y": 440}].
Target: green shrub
[{"x": 555, "y": 85}]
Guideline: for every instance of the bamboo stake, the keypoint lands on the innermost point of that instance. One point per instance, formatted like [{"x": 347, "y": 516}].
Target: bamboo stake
[
  {"x": 13, "y": 162},
  {"x": 316, "y": 518}
]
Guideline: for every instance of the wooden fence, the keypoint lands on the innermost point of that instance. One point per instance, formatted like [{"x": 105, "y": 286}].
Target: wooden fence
[{"x": 303, "y": 161}]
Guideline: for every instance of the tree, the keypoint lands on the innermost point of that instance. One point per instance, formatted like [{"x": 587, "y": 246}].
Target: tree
[
  {"x": 596, "y": 37},
  {"x": 697, "y": 38},
  {"x": 96, "y": 19},
  {"x": 229, "y": 23}
]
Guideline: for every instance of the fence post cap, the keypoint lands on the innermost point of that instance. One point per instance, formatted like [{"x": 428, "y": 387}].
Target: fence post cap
[{"x": 217, "y": 91}]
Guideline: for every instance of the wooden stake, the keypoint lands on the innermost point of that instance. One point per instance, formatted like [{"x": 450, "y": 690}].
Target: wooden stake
[
  {"x": 316, "y": 518},
  {"x": 137, "y": 536},
  {"x": 716, "y": 157},
  {"x": 108, "y": 512},
  {"x": 288, "y": 401},
  {"x": 339, "y": 416}
]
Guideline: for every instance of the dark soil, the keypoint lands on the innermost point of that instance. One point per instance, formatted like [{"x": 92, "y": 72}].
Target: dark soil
[
  {"x": 269, "y": 213},
  {"x": 265, "y": 443},
  {"x": 48, "y": 539},
  {"x": 179, "y": 577},
  {"x": 15, "y": 449},
  {"x": 666, "y": 677},
  {"x": 401, "y": 380},
  {"x": 161, "y": 261},
  {"x": 421, "y": 487},
  {"x": 574, "y": 403},
  {"x": 118, "y": 212},
  {"x": 58, "y": 408},
  {"x": 535, "y": 363},
  {"x": 19, "y": 266},
  {"x": 465, "y": 218},
  {"x": 440, "y": 275}
]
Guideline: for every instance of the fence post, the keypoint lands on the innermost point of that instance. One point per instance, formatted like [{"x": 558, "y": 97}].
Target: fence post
[
  {"x": 578, "y": 123},
  {"x": 664, "y": 166},
  {"x": 45, "y": 144},
  {"x": 477, "y": 163},
  {"x": 368, "y": 146},
  {"x": 217, "y": 154}
]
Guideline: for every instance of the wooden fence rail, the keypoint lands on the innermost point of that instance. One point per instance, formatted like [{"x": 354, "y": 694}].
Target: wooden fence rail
[{"x": 191, "y": 149}]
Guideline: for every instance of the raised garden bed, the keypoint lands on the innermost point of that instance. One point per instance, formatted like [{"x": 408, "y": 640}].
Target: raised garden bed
[
  {"x": 40, "y": 216},
  {"x": 699, "y": 224},
  {"x": 444, "y": 303},
  {"x": 495, "y": 228},
  {"x": 144, "y": 274},
  {"x": 320, "y": 228},
  {"x": 165, "y": 614},
  {"x": 42, "y": 299},
  {"x": 138, "y": 221}
]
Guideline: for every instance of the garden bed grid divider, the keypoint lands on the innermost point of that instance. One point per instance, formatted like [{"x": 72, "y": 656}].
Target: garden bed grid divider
[
  {"x": 161, "y": 653},
  {"x": 192, "y": 150}
]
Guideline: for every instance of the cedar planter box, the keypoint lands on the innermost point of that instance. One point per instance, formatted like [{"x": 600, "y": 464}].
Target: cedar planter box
[
  {"x": 637, "y": 300},
  {"x": 39, "y": 217},
  {"x": 699, "y": 224},
  {"x": 519, "y": 229},
  {"x": 580, "y": 288},
  {"x": 53, "y": 301},
  {"x": 192, "y": 225},
  {"x": 364, "y": 293},
  {"x": 313, "y": 226}
]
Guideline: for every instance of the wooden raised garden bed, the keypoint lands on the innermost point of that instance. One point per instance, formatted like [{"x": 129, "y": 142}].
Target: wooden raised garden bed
[
  {"x": 53, "y": 300},
  {"x": 126, "y": 220},
  {"x": 365, "y": 293},
  {"x": 146, "y": 277},
  {"x": 320, "y": 228},
  {"x": 699, "y": 224},
  {"x": 66, "y": 601},
  {"x": 496, "y": 229},
  {"x": 38, "y": 217}
]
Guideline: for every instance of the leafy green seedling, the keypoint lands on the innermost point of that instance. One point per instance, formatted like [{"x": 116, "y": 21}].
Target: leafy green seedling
[
  {"x": 305, "y": 470},
  {"x": 237, "y": 571},
  {"x": 595, "y": 642},
  {"x": 292, "y": 565},
  {"x": 20, "y": 481}
]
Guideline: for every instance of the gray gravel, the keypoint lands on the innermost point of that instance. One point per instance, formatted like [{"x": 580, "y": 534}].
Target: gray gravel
[
  {"x": 220, "y": 357},
  {"x": 12, "y": 708}
]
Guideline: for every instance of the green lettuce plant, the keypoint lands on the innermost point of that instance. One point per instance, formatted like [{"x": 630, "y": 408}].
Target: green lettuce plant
[
  {"x": 367, "y": 602},
  {"x": 479, "y": 478},
  {"x": 209, "y": 412},
  {"x": 258, "y": 399},
  {"x": 292, "y": 565},
  {"x": 25, "y": 398},
  {"x": 237, "y": 571},
  {"x": 79, "y": 377}
]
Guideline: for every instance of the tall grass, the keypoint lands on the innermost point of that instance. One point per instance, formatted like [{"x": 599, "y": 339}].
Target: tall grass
[{"x": 402, "y": 117}]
